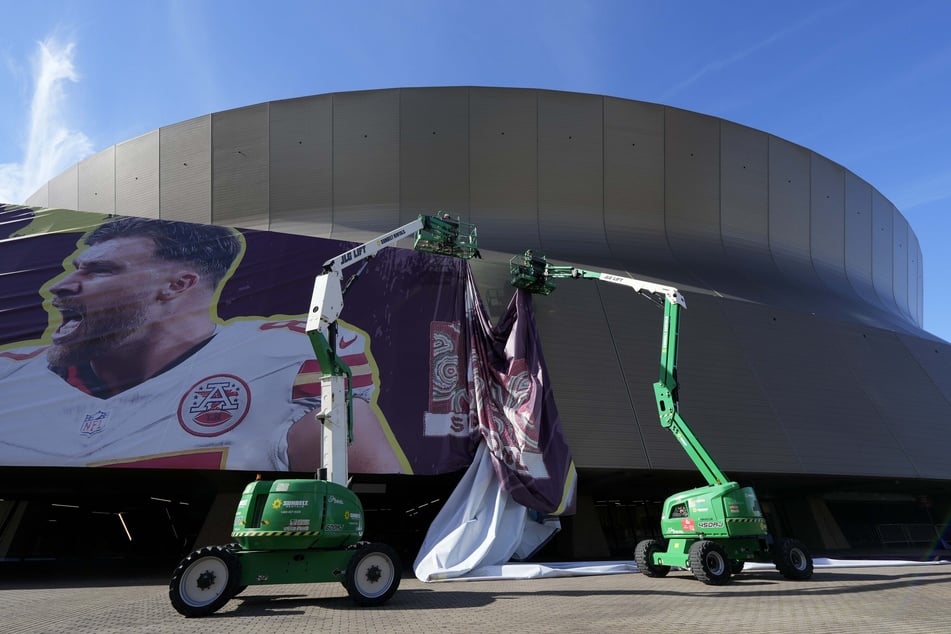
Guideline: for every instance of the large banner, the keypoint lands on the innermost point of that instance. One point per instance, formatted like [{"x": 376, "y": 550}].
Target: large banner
[
  {"x": 138, "y": 342},
  {"x": 151, "y": 343}
]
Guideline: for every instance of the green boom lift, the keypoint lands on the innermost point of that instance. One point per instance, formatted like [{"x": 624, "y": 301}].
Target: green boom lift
[
  {"x": 712, "y": 530},
  {"x": 309, "y": 530}
]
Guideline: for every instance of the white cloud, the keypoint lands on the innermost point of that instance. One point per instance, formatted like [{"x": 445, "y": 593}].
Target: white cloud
[
  {"x": 927, "y": 190},
  {"x": 50, "y": 145},
  {"x": 718, "y": 65}
]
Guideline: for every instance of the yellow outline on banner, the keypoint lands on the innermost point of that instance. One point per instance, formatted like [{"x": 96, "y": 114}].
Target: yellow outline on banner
[{"x": 56, "y": 220}]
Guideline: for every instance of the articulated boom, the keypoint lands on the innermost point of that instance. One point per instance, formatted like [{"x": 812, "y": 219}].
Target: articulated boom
[
  {"x": 532, "y": 272},
  {"x": 713, "y": 529},
  {"x": 439, "y": 234},
  {"x": 668, "y": 407}
]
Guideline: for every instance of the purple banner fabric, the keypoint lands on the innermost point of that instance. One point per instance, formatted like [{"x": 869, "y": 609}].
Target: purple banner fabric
[
  {"x": 151, "y": 343},
  {"x": 514, "y": 405},
  {"x": 110, "y": 356}
]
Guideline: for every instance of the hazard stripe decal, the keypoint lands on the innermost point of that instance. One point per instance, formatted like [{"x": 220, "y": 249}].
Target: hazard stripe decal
[{"x": 275, "y": 533}]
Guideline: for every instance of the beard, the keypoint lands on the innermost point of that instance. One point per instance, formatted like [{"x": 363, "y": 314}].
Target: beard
[{"x": 94, "y": 334}]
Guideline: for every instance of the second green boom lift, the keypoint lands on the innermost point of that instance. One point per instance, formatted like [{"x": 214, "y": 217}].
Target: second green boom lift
[{"x": 711, "y": 530}]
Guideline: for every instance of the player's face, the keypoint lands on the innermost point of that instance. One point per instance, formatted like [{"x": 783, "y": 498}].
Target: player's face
[{"x": 106, "y": 301}]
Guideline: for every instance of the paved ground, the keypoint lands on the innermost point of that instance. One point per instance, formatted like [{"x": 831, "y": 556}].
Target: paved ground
[{"x": 880, "y": 599}]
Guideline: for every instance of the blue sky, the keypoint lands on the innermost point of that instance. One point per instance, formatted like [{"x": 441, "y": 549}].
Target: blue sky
[{"x": 866, "y": 83}]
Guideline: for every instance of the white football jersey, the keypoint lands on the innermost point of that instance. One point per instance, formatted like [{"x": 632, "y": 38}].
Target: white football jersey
[{"x": 227, "y": 406}]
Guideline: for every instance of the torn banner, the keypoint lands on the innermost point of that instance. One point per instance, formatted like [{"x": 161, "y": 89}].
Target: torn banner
[{"x": 523, "y": 469}]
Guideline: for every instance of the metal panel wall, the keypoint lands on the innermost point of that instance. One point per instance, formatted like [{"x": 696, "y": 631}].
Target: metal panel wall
[
  {"x": 744, "y": 205},
  {"x": 934, "y": 357},
  {"x": 921, "y": 288},
  {"x": 858, "y": 237},
  {"x": 900, "y": 261},
  {"x": 185, "y": 171},
  {"x": 503, "y": 165},
  {"x": 816, "y": 406},
  {"x": 882, "y": 238},
  {"x": 692, "y": 186},
  {"x": 64, "y": 189},
  {"x": 434, "y": 152},
  {"x": 366, "y": 171},
  {"x": 634, "y": 219},
  {"x": 721, "y": 395},
  {"x": 593, "y": 400},
  {"x": 300, "y": 192},
  {"x": 915, "y": 411},
  {"x": 789, "y": 215},
  {"x": 914, "y": 280},
  {"x": 570, "y": 175},
  {"x": 239, "y": 194},
  {"x": 96, "y": 182},
  {"x": 744, "y": 196},
  {"x": 41, "y": 197},
  {"x": 827, "y": 225},
  {"x": 636, "y": 334},
  {"x": 137, "y": 176}
]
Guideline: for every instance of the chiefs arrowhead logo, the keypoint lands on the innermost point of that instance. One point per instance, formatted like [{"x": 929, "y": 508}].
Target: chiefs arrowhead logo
[{"x": 214, "y": 406}]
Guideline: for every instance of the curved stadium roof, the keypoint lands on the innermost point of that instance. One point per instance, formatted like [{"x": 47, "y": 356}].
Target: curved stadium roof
[{"x": 802, "y": 350}]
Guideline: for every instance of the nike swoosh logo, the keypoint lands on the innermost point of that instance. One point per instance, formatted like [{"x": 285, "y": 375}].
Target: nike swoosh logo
[{"x": 345, "y": 343}]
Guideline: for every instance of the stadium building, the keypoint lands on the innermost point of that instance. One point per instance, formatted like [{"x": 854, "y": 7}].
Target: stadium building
[{"x": 804, "y": 365}]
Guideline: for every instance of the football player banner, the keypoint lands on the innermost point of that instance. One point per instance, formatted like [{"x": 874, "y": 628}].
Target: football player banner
[{"x": 151, "y": 343}]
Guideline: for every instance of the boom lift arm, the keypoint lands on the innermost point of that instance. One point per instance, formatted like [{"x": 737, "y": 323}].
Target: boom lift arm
[
  {"x": 533, "y": 273},
  {"x": 306, "y": 531},
  {"x": 668, "y": 400},
  {"x": 712, "y": 530},
  {"x": 435, "y": 234}
]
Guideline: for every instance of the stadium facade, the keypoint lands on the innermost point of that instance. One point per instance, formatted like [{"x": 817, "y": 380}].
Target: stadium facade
[{"x": 804, "y": 365}]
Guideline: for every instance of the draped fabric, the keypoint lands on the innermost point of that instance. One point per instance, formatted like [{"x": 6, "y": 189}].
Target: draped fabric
[
  {"x": 512, "y": 400},
  {"x": 522, "y": 474}
]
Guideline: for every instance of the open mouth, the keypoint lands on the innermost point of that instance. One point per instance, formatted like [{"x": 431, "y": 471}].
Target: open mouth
[{"x": 72, "y": 319}]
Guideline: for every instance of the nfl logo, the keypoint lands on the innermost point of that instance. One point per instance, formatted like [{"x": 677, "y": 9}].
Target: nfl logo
[{"x": 93, "y": 423}]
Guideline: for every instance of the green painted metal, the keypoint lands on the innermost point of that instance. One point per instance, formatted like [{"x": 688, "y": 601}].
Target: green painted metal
[
  {"x": 744, "y": 549},
  {"x": 306, "y": 531},
  {"x": 259, "y": 567},
  {"x": 713, "y": 512},
  {"x": 666, "y": 393},
  {"x": 297, "y": 514},
  {"x": 445, "y": 235},
  {"x": 532, "y": 273},
  {"x": 721, "y": 511}
]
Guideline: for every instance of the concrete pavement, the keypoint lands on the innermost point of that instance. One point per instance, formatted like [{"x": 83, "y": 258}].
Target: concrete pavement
[{"x": 879, "y": 599}]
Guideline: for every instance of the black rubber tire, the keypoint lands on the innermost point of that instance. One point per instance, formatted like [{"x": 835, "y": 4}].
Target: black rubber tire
[
  {"x": 373, "y": 575},
  {"x": 643, "y": 555},
  {"x": 357, "y": 546},
  {"x": 793, "y": 560},
  {"x": 204, "y": 581},
  {"x": 709, "y": 563},
  {"x": 736, "y": 566}
]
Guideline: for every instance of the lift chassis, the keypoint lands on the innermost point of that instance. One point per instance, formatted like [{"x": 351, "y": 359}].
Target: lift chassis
[
  {"x": 310, "y": 530},
  {"x": 711, "y": 530}
]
